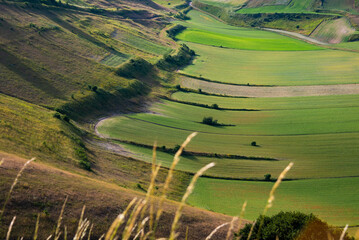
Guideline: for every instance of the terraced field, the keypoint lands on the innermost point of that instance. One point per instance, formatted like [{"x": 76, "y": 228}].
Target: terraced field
[{"x": 314, "y": 124}]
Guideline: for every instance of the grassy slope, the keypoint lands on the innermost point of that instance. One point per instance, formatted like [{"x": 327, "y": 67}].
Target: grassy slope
[
  {"x": 334, "y": 200},
  {"x": 42, "y": 189},
  {"x": 27, "y": 129},
  {"x": 206, "y": 30},
  {"x": 53, "y": 65},
  {"x": 49, "y": 56},
  {"x": 281, "y": 134},
  {"x": 334, "y": 31}
]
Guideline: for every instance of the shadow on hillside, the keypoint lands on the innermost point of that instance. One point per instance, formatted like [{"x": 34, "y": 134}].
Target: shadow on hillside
[
  {"x": 15, "y": 64},
  {"x": 83, "y": 35}
]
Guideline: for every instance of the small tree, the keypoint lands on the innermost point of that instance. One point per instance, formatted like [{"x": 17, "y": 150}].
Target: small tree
[
  {"x": 267, "y": 177},
  {"x": 207, "y": 120},
  {"x": 254, "y": 144},
  {"x": 176, "y": 148},
  {"x": 215, "y": 106}
]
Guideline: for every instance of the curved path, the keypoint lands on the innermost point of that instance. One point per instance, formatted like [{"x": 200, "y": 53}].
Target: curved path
[
  {"x": 277, "y": 91},
  {"x": 296, "y": 35}
]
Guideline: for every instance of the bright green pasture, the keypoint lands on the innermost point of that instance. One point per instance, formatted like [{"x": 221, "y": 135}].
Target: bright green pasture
[
  {"x": 274, "y": 68},
  {"x": 242, "y": 42},
  {"x": 334, "y": 200},
  {"x": 325, "y": 138},
  {"x": 271, "y": 103},
  {"x": 205, "y": 30},
  {"x": 295, "y": 6}
]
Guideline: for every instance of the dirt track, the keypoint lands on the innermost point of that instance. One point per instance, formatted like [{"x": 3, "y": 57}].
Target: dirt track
[{"x": 278, "y": 91}]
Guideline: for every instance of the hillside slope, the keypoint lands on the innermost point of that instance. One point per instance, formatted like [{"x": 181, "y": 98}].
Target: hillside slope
[{"x": 42, "y": 190}]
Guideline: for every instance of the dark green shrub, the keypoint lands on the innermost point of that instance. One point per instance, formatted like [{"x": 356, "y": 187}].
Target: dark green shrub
[
  {"x": 254, "y": 144},
  {"x": 215, "y": 106},
  {"x": 182, "y": 58},
  {"x": 57, "y": 115},
  {"x": 267, "y": 177},
  {"x": 173, "y": 31},
  {"x": 354, "y": 37},
  {"x": 66, "y": 118},
  {"x": 84, "y": 161},
  {"x": 209, "y": 121},
  {"x": 176, "y": 148},
  {"x": 290, "y": 226}
]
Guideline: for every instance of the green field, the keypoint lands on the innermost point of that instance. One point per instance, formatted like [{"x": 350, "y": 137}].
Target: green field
[
  {"x": 335, "y": 200},
  {"x": 327, "y": 134},
  {"x": 290, "y": 103},
  {"x": 274, "y": 68},
  {"x": 319, "y": 134},
  {"x": 206, "y": 30}
]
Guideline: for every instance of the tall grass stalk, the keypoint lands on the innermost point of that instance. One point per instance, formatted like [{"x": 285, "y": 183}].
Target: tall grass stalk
[
  {"x": 112, "y": 231},
  {"x": 36, "y": 227},
  {"x": 150, "y": 190},
  {"x": 241, "y": 217},
  {"x": 59, "y": 221},
  {"x": 251, "y": 231},
  {"x": 10, "y": 228},
  {"x": 130, "y": 226},
  {"x": 13, "y": 186},
  {"x": 184, "y": 199},
  {"x": 344, "y": 231},
  {"x": 216, "y": 230},
  {"x": 176, "y": 159}
]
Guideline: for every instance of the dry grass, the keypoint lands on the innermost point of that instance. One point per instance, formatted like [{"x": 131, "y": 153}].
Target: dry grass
[{"x": 134, "y": 221}]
